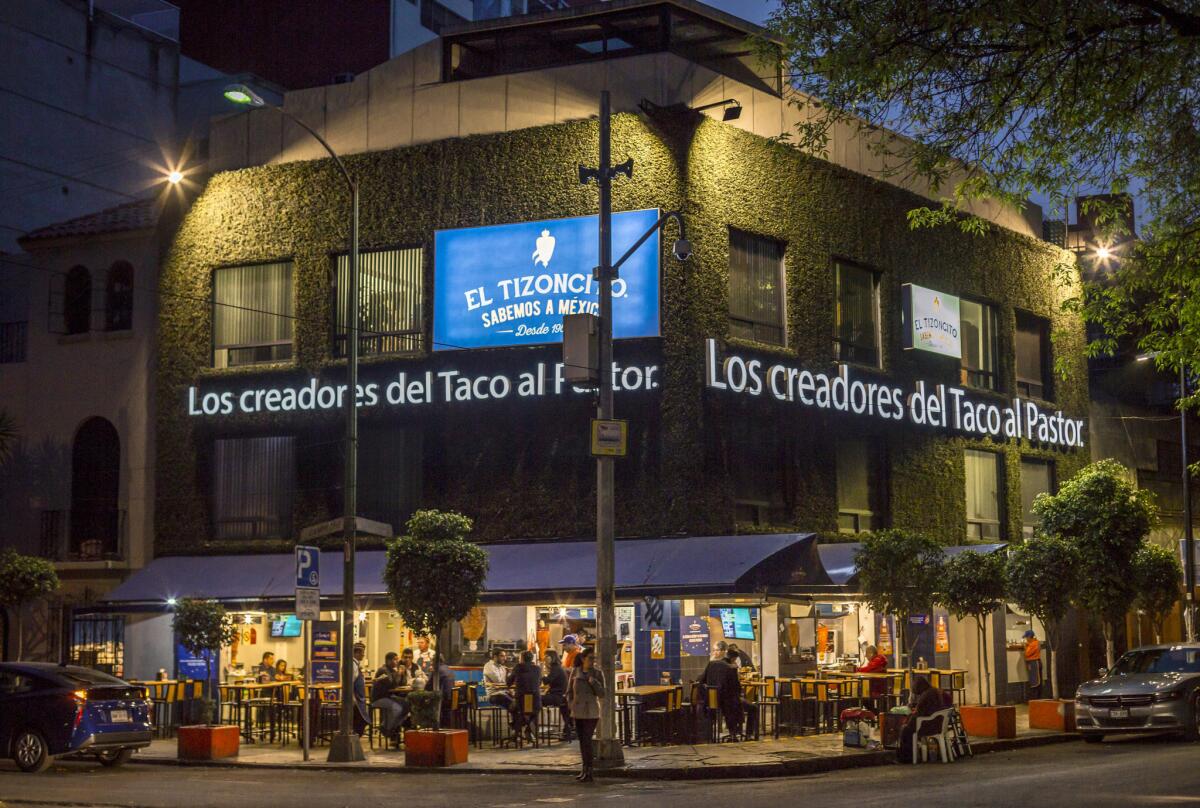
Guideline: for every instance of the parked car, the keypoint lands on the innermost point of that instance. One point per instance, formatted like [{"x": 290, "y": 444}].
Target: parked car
[
  {"x": 48, "y": 710},
  {"x": 1155, "y": 688}
]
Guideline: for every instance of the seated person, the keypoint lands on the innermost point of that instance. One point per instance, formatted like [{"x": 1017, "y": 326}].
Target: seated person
[
  {"x": 265, "y": 672},
  {"x": 281, "y": 674},
  {"x": 410, "y": 672},
  {"x": 495, "y": 679},
  {"x": 556, "y": 693},
  {"x": 876, "y": 663},
  {"x": 526, "y": 680},
  {"x": 743, "y": 659},
  {"x": 926, "y": 700},
  {"x": 392, "y": 709},
  {"x": 721, "y": 675}
]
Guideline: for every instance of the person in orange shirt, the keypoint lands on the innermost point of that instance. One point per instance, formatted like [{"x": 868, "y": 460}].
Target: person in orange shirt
[
  {"x": 570, "y": 649},
  {"x": 1033, "y": 664}
]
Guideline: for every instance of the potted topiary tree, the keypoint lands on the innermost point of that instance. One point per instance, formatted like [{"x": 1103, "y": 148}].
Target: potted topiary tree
[
  {"x": 1106, "y": 518},
  {"x": 23, "y": 580},
  {"x": 973, "y": 586},
  {"x": 1042, "y": 581},
  {"x": 203, "y": 627},
  {"x": 899, "y": 572},
  {"x": 434, "y": 576},
  {"x": 1156, "y": 573}
]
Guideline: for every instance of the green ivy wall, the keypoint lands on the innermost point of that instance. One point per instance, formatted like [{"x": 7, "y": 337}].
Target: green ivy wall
[{"x": 521, "y": 470}]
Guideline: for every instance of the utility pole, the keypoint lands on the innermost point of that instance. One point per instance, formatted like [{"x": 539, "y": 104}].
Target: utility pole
[
  {"x": 1189, "y": 544},
  {"x": 608, "y": 752}
]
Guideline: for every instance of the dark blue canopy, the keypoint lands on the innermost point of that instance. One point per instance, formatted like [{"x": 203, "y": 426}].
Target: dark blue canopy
[
  {"x": 838, "y": 559},
  {"x": 555, "y": 571}
]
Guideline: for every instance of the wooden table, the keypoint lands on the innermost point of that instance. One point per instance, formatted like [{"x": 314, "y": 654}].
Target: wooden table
[{"x": 633, "y": 698}]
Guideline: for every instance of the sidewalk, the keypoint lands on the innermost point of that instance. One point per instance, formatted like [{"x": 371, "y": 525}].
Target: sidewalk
[{"x": 811, "y": 754}]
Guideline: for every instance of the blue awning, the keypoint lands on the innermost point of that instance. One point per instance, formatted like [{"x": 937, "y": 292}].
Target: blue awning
[{"x": 542, "y": 571}]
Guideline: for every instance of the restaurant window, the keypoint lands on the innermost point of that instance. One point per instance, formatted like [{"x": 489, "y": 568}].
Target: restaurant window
[
  {"x": 860, "y": 486},
  {"x": 389, "y": 473},
  {"x": 389, "y": 302},
  {"x": 856, "y": 335},
  {"x": 253, "y": 314},
  {"x": 1032, "y": 347},
  {"x": 978, "y": 323},
  {"x": 984, "y": 501},
  {"x": 1037, "y": 477},
  {"x": 118, "y": 297},
  {"x": 756, "y": 307},
  {"x": 254, "y": 481}
]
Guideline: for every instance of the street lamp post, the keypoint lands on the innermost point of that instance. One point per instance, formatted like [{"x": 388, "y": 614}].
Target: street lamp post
[
  {"x": 345, "y": 746},
  {"x": 608, "y": 752},
  {"x": 1189, "y": 545}
]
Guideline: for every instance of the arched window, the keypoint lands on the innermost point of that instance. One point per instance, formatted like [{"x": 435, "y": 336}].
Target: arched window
[
  {"x": 118, "y": 297},
  {"x": 77, "y": 301},
  {"x": 95, "y": 485}
]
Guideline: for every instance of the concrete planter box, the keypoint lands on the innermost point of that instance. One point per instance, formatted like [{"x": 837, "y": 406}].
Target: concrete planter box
[
  {"x": 989, "y": 722},
  {"x": 435, "y": 747},
  {"x": 208, "y": 742},
  {"x": 1055, "y": 714}
]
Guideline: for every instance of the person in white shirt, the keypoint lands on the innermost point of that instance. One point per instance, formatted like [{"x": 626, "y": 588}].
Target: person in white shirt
[
  {"x": 424, "y": 656},
  {"x": 495, "y": 679}
]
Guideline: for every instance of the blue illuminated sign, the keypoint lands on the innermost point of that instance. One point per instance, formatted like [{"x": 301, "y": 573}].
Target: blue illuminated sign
[{"x": 511, "y": 284}]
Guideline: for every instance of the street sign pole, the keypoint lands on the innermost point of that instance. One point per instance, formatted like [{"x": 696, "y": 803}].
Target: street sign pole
[
  {"x": 307, "y": 686},
  {"x": 308, "y": 608}
]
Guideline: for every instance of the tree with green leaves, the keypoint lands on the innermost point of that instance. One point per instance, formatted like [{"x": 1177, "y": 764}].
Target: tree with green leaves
[
  {"x": 973, "y": 585},
  {"x": 1027, "y": 98},
  {"x": 1156, "y": 573},
  {"x": 24, "y": 580},
  {"x": 434, "y": 575},
  {"x": 1043, "y": 576},
  {"x": 1106, "y": 518},
  {"x": 899, "y": 573},
  {"x": 203, "y": 627}
]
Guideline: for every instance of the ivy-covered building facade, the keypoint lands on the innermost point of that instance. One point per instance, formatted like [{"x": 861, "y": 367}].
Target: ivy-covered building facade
[{"x": 766, "y": 381}]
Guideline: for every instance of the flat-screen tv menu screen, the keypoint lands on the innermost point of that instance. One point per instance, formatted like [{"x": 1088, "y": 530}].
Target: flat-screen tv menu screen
[
  {"x": 735, "y": 623},
  {"x": 285, "y": 626}
]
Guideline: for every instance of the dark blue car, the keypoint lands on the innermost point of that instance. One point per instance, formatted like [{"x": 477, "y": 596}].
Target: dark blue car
[{"x": 48, "y": 710}]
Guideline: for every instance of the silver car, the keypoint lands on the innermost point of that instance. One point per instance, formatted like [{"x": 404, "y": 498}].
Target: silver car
[{"x": 1155, "y": 688}]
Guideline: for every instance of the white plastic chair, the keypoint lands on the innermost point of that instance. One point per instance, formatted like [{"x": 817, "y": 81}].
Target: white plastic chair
[{"x": 941, "y": 733}]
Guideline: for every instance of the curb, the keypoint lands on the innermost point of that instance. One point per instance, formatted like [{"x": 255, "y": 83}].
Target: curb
[{"x": 787, "y": 768}]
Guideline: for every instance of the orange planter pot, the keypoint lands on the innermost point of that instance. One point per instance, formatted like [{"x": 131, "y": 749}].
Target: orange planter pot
[
  {"x": 441, "y": 747},
  {"x": 1055, "y": 714},
  {"x": 208, "y": 743},
  {"x": 989, "y": 722}
]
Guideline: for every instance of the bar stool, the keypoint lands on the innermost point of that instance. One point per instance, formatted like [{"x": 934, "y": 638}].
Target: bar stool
[
  {"x": 657, "y": 724},
  {"x": 477, "y": 710},
  {"x": 769, "y": 702},
  {"x": 829, "y": 703},
  {"x": 524, "y": 716}
]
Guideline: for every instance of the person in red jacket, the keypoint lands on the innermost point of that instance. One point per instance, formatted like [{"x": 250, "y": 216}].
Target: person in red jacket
[{"x": 876, "y": 663}]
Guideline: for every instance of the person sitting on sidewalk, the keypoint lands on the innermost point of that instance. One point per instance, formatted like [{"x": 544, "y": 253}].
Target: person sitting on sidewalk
[{"x": 926, "y": 700}]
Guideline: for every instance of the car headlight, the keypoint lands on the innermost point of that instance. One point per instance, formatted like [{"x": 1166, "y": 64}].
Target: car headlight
[
  {"x": 1079, "y": 697},
  {"x": 1170, "y": 695}
]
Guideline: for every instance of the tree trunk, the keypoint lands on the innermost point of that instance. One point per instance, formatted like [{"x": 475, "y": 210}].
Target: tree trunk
[
  {"x": 987, "y": 673},
  {"x": 902, "y": 641},
  {"x": 435, "y": 673},
  {"x": 897, "y": 649},
  {"x": 20, "y": 632},
  {"x": 1052, "y": 630},
  {"x": 1110, "y": 646}
]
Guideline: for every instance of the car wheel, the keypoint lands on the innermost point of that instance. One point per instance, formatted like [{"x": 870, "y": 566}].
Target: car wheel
[
  {"x": 1192, "y": 733},
  {"x": 1092, "y": 737},
  {"x": 30, "y": 751}
]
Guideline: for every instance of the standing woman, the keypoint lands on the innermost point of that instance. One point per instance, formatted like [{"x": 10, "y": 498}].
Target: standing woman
[{"x": 583, "y": 695}]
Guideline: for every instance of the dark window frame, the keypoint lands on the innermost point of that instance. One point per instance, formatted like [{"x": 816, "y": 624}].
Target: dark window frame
[
  {"x": 418, "y": 336},
  {"x": 979, "y": 378},
  {"x": 843, "y": 349},
  {"x": 878, "y": 515},
  {"x": 118, "y": 297},
  {"x": 77, "y": 302},
  {"x": 278, "y": 525},
  {"x": 1043, "y": 389},
  {"x": 262, "y": 353},
  {"x": 1027, "y": 528},
  {"x": 758, "y": 326},
  {"x": 1001, "y": 521}
]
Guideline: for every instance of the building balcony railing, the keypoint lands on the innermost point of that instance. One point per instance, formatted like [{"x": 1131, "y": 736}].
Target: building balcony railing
[{"x": 84, "y": 534}]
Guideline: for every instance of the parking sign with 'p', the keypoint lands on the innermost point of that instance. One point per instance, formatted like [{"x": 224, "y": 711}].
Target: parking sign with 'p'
[{"x": 308, "y": 567}]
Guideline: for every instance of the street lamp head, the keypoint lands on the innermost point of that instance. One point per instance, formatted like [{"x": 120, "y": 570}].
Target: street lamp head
[
  {"x": 1103, "y": 253},
  {"x": 732, "y": 112},
  {"x": 175, "y": 177},
  {"x": 244, "y": 96}
]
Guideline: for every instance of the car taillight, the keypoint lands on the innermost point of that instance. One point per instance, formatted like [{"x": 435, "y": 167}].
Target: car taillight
[{"x": 80, "y": 704}]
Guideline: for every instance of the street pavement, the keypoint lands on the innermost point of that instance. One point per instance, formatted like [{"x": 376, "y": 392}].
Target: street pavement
[{"x": 1128, "y": 772}]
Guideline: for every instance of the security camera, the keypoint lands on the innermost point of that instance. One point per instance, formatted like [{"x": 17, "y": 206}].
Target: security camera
[{"x": 682, "y": 249}]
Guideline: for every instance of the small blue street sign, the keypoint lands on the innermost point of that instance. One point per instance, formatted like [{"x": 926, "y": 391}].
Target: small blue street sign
[{"x": 308, "y": 567}]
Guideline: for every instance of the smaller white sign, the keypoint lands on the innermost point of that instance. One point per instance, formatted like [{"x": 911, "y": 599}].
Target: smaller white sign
[
  {"x": 308, "y": 603},
  {"x": 931, "y": 321}
]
